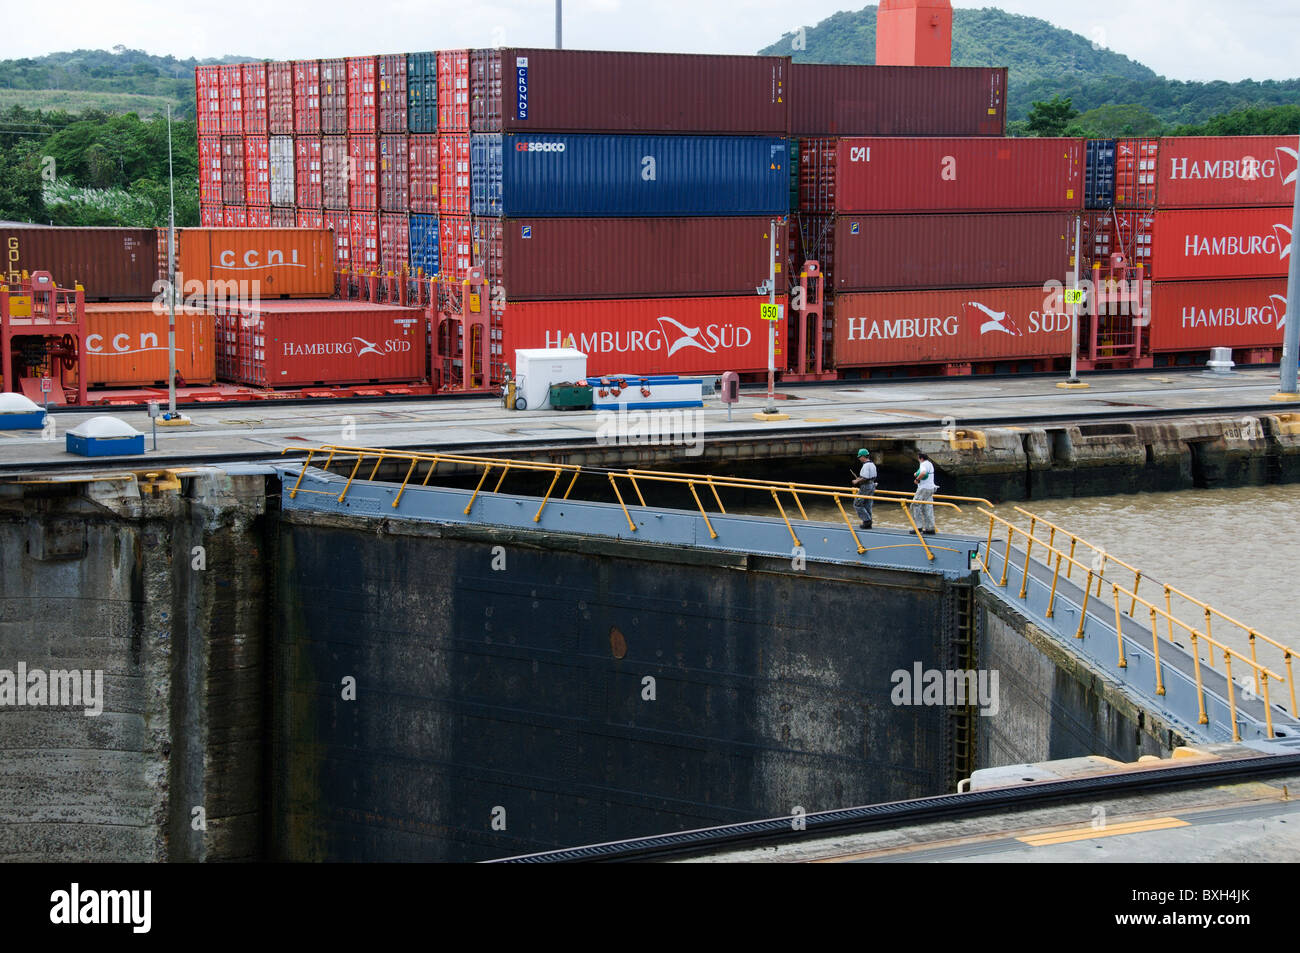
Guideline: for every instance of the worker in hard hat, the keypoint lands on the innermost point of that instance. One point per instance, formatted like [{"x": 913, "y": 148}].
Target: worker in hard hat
[{"x": 865, "y": 481}]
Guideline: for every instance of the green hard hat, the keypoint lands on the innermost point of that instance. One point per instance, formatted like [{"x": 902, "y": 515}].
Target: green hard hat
[{"x": 864, "y": 453}]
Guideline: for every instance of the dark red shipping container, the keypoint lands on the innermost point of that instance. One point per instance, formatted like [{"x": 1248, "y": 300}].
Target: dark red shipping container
[
  {"x": 259, "y": 217},
  {"x": 363, "y": 172},
  {"x": 310, "y": 218},
  {"x": 255, "y": 99},
  {"x": 297, "y": 343},
  {"x": 646, "y": 335},
  {"x": 422, "y": 173},
  {"x": 231, "y": 79},
  {"x": 454, "y": 196},
  {"x": 335, "y": 172},
  {"x": 392, "y": 93},
  {"x": 340, "y": 223},
  {"x": 308, "y": 172},
  {"x": 1221, "y": 243},
  {"x": 207, "y": 98},
  {"x": 394, "y": 185},
  {"x": 595, "y": 91},
  {"x": 210, "y": 215},
  {"x": 112, "y": 264},
  {"x": 209, "y": 169},
  {"x": 1126, "y": 233},
  {"x": 897, "y": 101},
  {"x": 453, "y": 91},
  {"x": 333, "y": 97},
  {"x": 1136, "y": 173},
  {"x": 306, "y": 97},
  {"x": 935, "y": 327},
  {"x": 577, "y": 258},
  {"x": 1200, "y": 315},
  {"x": 232, "y": 170},
  {"x": 235, "y": 216},
  {"x": 455, "y": 245},
  {"x": 362, "y": 97},
  {"x": 941, "y": 175},
  {"x": 394, "y": 243},
  {"x": 1227, "y": 171},
  {"x": 284, "y": 218},
  {"x": 279, "y": 99},
  {"x": 913, "y": 252},
  {"x": 257, "y": 170},
  {"x": 364, "y": 246}
]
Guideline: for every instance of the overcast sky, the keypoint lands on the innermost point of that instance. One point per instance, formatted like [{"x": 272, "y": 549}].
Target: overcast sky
[{"x": 1181, "y": 39}]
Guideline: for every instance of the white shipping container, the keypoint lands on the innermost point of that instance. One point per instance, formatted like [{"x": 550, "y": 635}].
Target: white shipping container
[{"x": 282, "y": 165}]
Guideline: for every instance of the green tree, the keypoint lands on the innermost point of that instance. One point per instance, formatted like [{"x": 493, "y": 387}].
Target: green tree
[
  {"x": 20, "y": 184},
  {"x": 1050, "y": 118},
  {"x": 1116, "y": 122}
]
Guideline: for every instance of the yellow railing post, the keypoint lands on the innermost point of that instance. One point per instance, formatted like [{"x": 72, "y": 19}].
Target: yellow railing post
[
  {"x": 1024, "y": 579},
  {"x": 355, "y": 467},
  {"x": 626, "y": 515},
  {"x": 1268, "y": 709},
  {"x": 1051, "y": 600},
  {"x": 1083, "y": 612},
  {"x": 793, "y": 534},
  {"x": 487, "y": 468},
  {"x": 1074, "y": 541},
  {"x": 1119, "y": 627},
  {"x": 1169, "y": 610},
  {"x": 1137, "y": 581},
  {"x": 546, "y": 499},
  {"x": 1006, "y": 563},
  {"x": 1290, "y": 681},
  {"x": 1200, "y": 686},
  {"x": 712, "y": 533},
  {"x": 1155, "y": 648},
  {"x": 1232, "y": 698},
  {"x": 849, "y": 523}
]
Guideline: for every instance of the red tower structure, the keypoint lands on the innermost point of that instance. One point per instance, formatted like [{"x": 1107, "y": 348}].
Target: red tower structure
[{"x": 914, "y": 33}]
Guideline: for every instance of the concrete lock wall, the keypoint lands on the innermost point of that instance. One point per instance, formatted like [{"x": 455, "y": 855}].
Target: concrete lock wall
[
  {"x": 520, "y": 695},
  {"x": 160, "y": 599}
]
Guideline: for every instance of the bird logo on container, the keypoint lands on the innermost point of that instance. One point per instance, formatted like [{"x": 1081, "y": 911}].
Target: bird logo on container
[
  {"x": 1279, "y": 308},
  {"x": 999, "y": 321},
  {"x": 686, "y": 337},
  {"x": 370, "y": 348},
  {"x": 1283, "y": 154},
  {"x": 1283, "y": 240}
]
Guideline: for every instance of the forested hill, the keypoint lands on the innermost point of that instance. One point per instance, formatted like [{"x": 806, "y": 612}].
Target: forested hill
[{"x": 1045, "y": 61}]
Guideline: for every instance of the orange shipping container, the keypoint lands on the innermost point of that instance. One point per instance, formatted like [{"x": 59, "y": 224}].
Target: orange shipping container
[
  {"x": 286, "y": 262},
  {"x": 126, "y": 345}
]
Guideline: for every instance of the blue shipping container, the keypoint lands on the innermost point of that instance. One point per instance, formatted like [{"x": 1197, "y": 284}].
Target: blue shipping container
[
  {"x": 597, "y": 175},
  {"x": 424, "y": 244},
  {"x": 422, "y": 92},
  {"x": 1099, "y": 174},
  {"x": 485, "y": 167}
]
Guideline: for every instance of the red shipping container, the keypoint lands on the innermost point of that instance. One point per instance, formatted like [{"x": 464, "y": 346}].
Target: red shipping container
[
  {"x": 310, "y": 218},
  {"x": 308, "y": 172},
  {"x": 935, "y": 327},
  {"x": 453, "y": 174},
  {"x": 255, "y": 95},
  {"x": 257, "y": 170},
  {"x": 455, "y": 246},
  {"x": 938, "y": 175},
  {"x": 259, "y": 217},
  {"x": 110, "y": 263},
  {"x": 1227, "y": 171},
  {"x": 210, "y": 215},
  {"x": 209, "y": 169},
  {"x": 578, "y": 258},
  {"x": 340, "y": 223},
  {"x": 126, "y": 344},
  {"x": 897, "y": 100},
  {"x": 306, "y": 97},
  {"x": 231, "y": 79},
  {"x": 364, "y": 246},
  {"x": 392, "y": 93},
  {"x": 304, "y": 343},
  {"x": 1200, "y": 315},
  {"x": 912, "y": 252},
  {"x": 1221, "y": 243},
  {"x": 235, "y": 216},
  {"x": 422, "y": 173},
  {"x": 363, "y": 172},
  {"x": 394, "y": 185},
  {"x": 286, "y": 262},
  {"x": 284, "y": 218},
  {"x": 645, "y": 335},
  {"x": 596, "y": 91},
  {"x": 232, "y": 171},
  {"x": 394, "y": 243},
  {"x": 1126, "y": 233},
  {"x": 333, "y": 97},
  {"x": 453, "y": 90},
  {"x": 362, "y": 99},
  {"x": 1136, "y": 162},
  {"x": 279, "y": 99},
  {"x": 336, "y": 172},
  {"x": 207, "y": 98}
]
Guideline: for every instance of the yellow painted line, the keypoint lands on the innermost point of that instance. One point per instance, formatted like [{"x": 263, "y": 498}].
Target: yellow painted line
[{"x": 1110, "y": 830}]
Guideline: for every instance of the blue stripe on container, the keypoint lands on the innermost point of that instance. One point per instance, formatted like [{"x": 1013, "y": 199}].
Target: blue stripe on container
[
  {"x": 424, "y": 243},
  {"x": 422, "y": 92},
  {"x": 594, "y": 175}
]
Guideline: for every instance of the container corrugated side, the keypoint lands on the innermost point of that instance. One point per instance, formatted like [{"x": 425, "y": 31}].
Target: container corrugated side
[
  {"x": 279, "y": 98},
  {"x": 231, "y": 82},
  {"x": 308, "y": 172},
  {"x": 897, "y": 100},
  {"x": 255, "y": 99},
  {"x": 453, "y": 91},
  {"x": 209, "y": 169},
  {"x": 599, "y": 91},
  {"x": 257, "y": 171},
  {"x": 908, "y": 252},
  {"x": 392, "y": 93},
  {"x": 232, "y": 170},
  {"x": 363, "y": 96},
  {"x": 339, "y": 224},
  {"x": 110, "y": 263},
  {"x": 940, "y": 174},
  {"x": 394, "y": 243},
  {"x": 422, "y": 92},
  {"x": 283, "y": 162},
  {"x": 285, "y": 262},
  {"x": 363, "y": 172},
  {"x": 394, "y": 174},
  {"x": 594, "y": 175},
  {"x": 422, "y": 173},
  {"x": 1200, "y": 315},
  {"x": 934, "y": 327},
  {"x": 424, "y": 244},
  {"x": 646, "y": 335},
  {"x": 126, "y": 345},
  {"x": 1221, "y": 243},
  {"x": 333, "y": 97},
  {"x": 306, "y": 97},
  {"x": 454, "y": 191},
  {"x": 335, "y": 172},
  {"x": 207, "y": 99},
  {"x": 1227, "y": 171}
]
